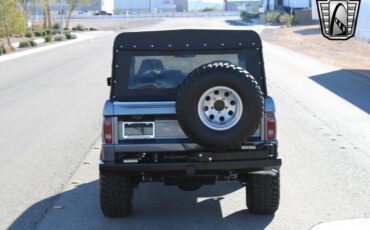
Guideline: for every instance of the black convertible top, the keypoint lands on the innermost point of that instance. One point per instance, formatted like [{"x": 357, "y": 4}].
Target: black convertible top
[{"x": 187, "y": 39}]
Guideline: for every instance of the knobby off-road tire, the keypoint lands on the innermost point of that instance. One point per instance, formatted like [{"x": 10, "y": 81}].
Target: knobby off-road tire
[
  {"x": 231, "y": 80},
  {"x": 116, "y": 195},
  {"x": 263, "y": 192}
]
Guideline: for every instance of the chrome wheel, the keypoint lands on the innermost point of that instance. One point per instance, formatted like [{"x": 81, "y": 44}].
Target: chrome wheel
[{"x": 220, "y": 108}]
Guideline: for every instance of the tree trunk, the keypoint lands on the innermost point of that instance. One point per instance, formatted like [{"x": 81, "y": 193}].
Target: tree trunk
[
  {"x": 69, "y": 15},
  {"x": 49, "y": 17},
  {"x": 8, "y": 36},
  {"x": 45, "y": 17}
]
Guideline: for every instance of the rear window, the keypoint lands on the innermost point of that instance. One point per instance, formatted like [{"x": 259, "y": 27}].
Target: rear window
[{"x": 166, "y": 72}]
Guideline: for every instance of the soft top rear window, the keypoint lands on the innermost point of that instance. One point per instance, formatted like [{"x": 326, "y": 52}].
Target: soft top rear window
[
  {"x": 168, "y": 71},
  {"x": 155, "y": 75}
]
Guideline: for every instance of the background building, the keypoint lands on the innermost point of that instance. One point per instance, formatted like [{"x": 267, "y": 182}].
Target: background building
[
  {"x": 248, "y": 5},
  {"x": 181, "y": 5},
  {"x": 149, "y": 5}
]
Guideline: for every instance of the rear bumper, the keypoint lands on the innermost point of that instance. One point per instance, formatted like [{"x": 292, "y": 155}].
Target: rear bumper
[
  {"x": 193, "y": 168},
  {"x": 257, "y": 157}
]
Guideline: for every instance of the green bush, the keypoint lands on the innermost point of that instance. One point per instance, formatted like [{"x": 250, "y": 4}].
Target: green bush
[
  {"x": 48, "y": 38},
  {"x": 272, "y": 17},
  {"x": 55, "y": 26},
  {"x": 54, "y": 32},
  {"x": 40, "y": 33},
  {"x": 48, "y": 32},
  {"x": 29, "y": 34},
  {"x": 60, "y": 38},
  {"x": 80, "y": 27},
  {"x": 2, "y": 50},
  {"x": 209, "y": 9},
  {"x": 93, "y": 29},
  {"x": 32, "y": 43},
  {"x": 247, "y": 17},
  {"x": 67, "y": 34},
  {"x": 286, "y": 19},
  {"x": 24, "y": 44}
]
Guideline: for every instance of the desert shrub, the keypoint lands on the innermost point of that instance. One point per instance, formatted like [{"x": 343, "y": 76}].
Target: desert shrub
[
  {"x": 2, "y": 50},
  {"x": 54, "y": 32},
  {"x": 60, "y": 38},
  {"x": 48, "y": 38},
  {"x": 67, "y": 34},
  {"x": 8, "y": 49},
  {"x": 272, "y": 17},
  {"x": 286, "y": 19},
  {"x": 247, "y": 17},
  {"x": 32, "y": 43},
  {"x": 55, "y": 26},
  {"x": 93, "y": 29},
  {"x": 24, "y": 44},
  {"x": 29, "y": 34},
  {"x": 80, "y": 27},
  {"x": 39, "y": 33},
  {"x": 209, "y": 9},
  {"x": 48, "y": 32}
]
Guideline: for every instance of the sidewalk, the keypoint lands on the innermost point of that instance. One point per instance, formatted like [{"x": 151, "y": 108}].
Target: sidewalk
[{"x": 81, "y": 36}]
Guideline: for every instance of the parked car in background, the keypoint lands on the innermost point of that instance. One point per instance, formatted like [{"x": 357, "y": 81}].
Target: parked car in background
[{"x": 103, "y": 13}]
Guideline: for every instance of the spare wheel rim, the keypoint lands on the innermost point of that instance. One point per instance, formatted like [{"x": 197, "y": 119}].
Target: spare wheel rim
[{"x": 220, "y": 108}]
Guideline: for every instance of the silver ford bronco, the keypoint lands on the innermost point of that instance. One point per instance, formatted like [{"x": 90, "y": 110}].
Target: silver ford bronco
[{"x": 188, "y": 108}]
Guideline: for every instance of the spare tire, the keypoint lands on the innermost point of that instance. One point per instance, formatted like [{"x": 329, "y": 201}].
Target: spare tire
[{"x": 219, "y": 105}]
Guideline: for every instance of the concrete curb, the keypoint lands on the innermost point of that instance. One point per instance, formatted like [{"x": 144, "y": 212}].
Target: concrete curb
[{"x": 80, "y": 37}]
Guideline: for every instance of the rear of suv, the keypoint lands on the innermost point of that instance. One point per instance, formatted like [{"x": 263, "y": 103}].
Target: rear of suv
[{"x": 188, "y": 108}]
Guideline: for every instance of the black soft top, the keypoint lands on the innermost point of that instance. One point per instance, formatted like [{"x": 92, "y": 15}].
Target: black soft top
[{"x": 187, "y": 39}]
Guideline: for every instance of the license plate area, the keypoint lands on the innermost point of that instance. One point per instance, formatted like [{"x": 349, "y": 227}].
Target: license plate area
[{"x": 138, "y": 130}]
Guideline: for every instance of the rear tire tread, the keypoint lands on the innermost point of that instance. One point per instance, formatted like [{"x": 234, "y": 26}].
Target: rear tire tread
[
  {"x": 116, "y": 195},
  {"x": 263, "y": 193}
]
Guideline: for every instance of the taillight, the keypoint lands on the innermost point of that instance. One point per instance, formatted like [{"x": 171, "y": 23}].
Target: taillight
[
  {"x": 107, "y": 130},
  {"x": 270, "y": 126}
]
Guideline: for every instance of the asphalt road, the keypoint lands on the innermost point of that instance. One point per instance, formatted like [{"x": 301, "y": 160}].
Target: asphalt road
[{"x": 50, "y": 112}]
